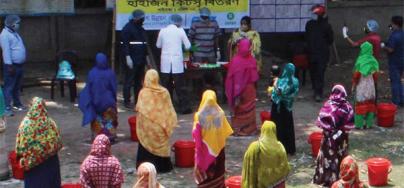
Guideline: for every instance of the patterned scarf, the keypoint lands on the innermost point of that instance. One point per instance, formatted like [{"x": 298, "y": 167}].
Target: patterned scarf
[
  {"x": 336, "y": 112},
  {"x": 286, "y": 87},
  {"x": 349, "y": 173},
  {"x": 100, "y": 168},
  {"x": 156, "y": 116},
  {"x": 38, "y": 137}
]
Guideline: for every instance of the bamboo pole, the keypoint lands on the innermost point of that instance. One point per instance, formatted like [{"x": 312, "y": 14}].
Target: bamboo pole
[{"x": 113, "y": 37}]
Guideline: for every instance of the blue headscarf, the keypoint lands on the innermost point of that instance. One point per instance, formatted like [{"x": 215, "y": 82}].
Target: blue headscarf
[
  {"x": 286, "y": 88},
  {"x": 99, "y": 93}
]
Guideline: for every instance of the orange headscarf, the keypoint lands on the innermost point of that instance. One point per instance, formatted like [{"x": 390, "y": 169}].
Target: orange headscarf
[{"x": 156, "y": 117}]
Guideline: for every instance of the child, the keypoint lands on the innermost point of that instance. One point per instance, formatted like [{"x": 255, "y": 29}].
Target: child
[
  {"x": 275, "y": 72},
  {"x": 364, "y": 84}
]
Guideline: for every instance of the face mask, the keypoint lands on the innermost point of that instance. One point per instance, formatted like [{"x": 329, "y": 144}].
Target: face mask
[
  {"x": 205, "y": 18},
  {"x": 16, "y": 26},
  {"x": 391, "y": 27},
  {"x": 314, "y": 16}
]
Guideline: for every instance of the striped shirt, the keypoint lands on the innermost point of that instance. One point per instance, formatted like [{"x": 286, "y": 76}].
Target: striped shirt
[{"x": 203, "y": 35}]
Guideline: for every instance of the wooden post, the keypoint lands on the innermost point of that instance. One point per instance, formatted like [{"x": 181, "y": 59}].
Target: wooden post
[{"x": 113, "y": 38}]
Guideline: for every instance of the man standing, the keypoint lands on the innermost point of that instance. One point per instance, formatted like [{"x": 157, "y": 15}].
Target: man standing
[
  {"x": 14, "y": 56},
  {"x": 134, "y": 49},
  {"x": 371, "y": 36},
  {"x": 170, "y": 40},
  {"x": 395, "y": 49},
  {"x": 204, "y": 35},
  {"x": 319, "y": 37}
]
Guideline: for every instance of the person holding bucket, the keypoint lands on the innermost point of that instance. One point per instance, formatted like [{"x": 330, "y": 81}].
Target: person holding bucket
[
  {"x": 265, "y": 161},
  {"x": 210, "y": 131},
  {"x": 364, "y": 84},
  {"x": 349, "y": 174},
  {"x": 38, "y": 142},
  {"x": 155, "y": 122},
  {"x": 336, "y": 120}
]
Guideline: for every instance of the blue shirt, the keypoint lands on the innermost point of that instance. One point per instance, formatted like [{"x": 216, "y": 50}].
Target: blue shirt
[
  {"x": 396, "y": 42},
  {"x": 12, "y": 46}
]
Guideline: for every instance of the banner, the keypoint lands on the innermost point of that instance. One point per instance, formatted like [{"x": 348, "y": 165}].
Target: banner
[
  {"x": 226, "y": 12},
  {"x": 36, "y": 7}
]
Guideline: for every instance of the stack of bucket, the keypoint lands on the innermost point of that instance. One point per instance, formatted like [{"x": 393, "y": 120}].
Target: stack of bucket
[
  {"x": 184, "y": 153},
  {"x": 132, "y": 124},
  {"x": 18, "y": 171},
  {"x": 385, "y": 114},
  {"x": 315, "y": 141},
  {"x": 378, "y": 171}
]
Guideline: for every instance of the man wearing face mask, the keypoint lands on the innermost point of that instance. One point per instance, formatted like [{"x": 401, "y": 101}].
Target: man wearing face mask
[
  {"x": 395, "y": 49},
  {"x": 171, "y": 39},
  {"x": 14, "y": 56},
  {"x": 371, "y": 36},
  {"x": 134, "y": 50},
  {"x": 204, "y": 34},
  {"x": 319, "y": 36}
]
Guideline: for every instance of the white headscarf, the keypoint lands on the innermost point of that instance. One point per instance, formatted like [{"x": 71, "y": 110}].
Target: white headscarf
[{"x": 145, "y": 169}]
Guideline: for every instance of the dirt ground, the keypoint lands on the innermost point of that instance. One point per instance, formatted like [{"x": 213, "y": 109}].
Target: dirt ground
[{"x": 363, "y": 143}]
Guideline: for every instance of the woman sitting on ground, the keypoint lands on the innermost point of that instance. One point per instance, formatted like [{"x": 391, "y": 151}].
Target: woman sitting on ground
[
  {"x": 101, "y": 168},
  {"x": 147, "y": 176},
  {"x": 265, "y": 161}
]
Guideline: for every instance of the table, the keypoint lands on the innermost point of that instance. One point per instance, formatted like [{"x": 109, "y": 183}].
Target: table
[{"x": 193, "y": 74}]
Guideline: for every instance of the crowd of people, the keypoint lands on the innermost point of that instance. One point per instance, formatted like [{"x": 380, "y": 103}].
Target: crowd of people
[{"x": 265, "y": 162}]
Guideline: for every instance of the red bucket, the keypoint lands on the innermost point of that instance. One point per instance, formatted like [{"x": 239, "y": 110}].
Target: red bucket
[
  {"x": 18, "y": 171},
  {"x": 315, "y": 141},
  {"x": 132, "y": 124},
  {"x": 301, "y": 61},
  {"x": 184, "y": 153},
  {"x": 265, "y": 116},
  {"x": 71, "y": 185},
  {"x": 378, "y": 171},
  {"x": 385, "y": 114},
  {"x": 233, "y": 182}
]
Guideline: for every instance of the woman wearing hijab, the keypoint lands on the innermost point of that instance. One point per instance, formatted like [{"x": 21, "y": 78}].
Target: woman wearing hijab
[
  {"x": 349, "y": 175},
  {"x": 37, "y": 144},
  {"x": 147, "y": 176},
  {"x": 210, "y": 131},
  {"x": 284, "y": 92},
  {"x": 101, "y": 168},
  {"x": 240, "y": 83},
  {"x": 246, "y": 31},
  {"x": 98, "y": 99},
  {"x": 156, "y": 120},
  {"x": 364, "y": 85},
  {"x": 336, "y": 120},
  {"x": 265, "y": 161}
]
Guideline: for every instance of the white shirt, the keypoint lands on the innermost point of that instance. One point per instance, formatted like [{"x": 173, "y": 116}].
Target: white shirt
[{"x": 170, "y": 40}]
